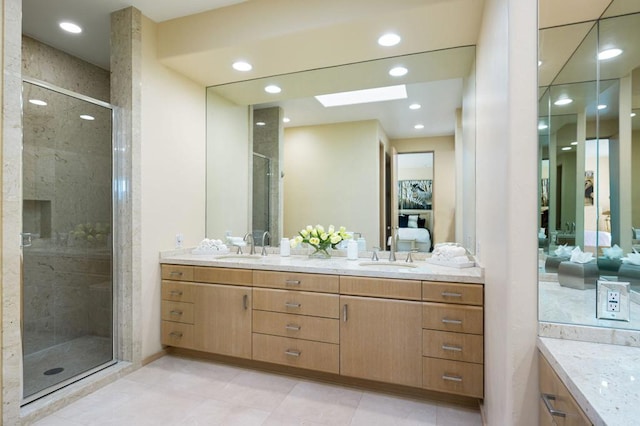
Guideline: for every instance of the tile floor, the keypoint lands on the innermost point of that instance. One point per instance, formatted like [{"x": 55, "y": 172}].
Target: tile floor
[{"x": 180, "y": 391}]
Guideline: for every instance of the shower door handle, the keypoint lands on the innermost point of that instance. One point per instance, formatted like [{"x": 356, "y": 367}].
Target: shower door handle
[{"x": 25, "y": 239}]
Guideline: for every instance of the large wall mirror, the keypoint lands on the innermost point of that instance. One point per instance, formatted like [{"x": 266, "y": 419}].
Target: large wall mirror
[
  {"x": 283, "y": 158},
  {"x": 589, "y": 164}
]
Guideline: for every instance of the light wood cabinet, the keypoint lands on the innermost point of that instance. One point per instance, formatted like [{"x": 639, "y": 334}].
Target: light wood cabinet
[
  {"x": 381, "y": 340},
  {"x": 296, "y": 352},
  {"x": 296, "y": 281},
  {"x": 556, "y": 405},
  {"x": 296, "y": 302}
]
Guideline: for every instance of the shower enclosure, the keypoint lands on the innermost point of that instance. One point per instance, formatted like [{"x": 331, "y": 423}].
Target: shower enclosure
[
  {"x": 67, "y": 294},
  {"x": 261, "y": 196}
]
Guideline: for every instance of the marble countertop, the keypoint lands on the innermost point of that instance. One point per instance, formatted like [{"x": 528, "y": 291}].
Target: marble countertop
[
  {"x": 336, "y": 265},
  {"x": 604, "y": 379}
]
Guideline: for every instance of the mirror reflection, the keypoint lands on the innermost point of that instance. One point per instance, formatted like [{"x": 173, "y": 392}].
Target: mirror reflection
[
  {"x": 277, "y": 162},
  {"x": 589, "y": 145}
]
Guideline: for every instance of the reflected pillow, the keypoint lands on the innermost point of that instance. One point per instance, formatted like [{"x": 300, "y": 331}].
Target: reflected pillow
[
  {"x": 413, "y": 221},
  {"x": 403, "y": 220},
  {"x": 422, "y": 222}
]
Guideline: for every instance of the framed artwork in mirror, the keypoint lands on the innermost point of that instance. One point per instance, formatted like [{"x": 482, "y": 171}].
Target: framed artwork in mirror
[{"x": 415, "y": 194}]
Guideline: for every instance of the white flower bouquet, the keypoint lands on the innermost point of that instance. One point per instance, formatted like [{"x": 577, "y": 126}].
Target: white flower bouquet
[{"x": 320, "y": 239}]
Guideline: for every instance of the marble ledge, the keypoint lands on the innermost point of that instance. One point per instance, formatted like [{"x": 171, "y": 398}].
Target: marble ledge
[
  {"x": 336, "y": 265},
  {"x": 608, "y": 396}
]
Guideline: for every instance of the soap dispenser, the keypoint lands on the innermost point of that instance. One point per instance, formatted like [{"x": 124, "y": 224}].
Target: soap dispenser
[{"x": 352, "y": 250}]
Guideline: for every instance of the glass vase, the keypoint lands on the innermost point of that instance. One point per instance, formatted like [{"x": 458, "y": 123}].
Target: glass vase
[{"x": 320, "y": 253}]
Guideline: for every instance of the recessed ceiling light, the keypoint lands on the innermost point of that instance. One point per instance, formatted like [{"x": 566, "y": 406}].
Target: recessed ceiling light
[
  {"x": 542, "y": 126},
  {"x": 87, "y": 117},
  {"x": 563, "y": 101},
  {"x": 364, "y": 96},
  {"x": 566, "y": 148},
  {"x": 37, "y": 102},
  {"x": 602, "y": 106},
  {"x": 70, "y": 27},
  {"x": 242, "y": 66},
  {"x": 415, "y": 106},
  {"x": 418, "y": 126},
  {"x": 609, "y": 53},
  {"x": 389, "y": 39},
  {"x": 574, "y": 143},
  {"x": 539, "y": 63},
  {"x": 260, "y": 123},
  {"x": 398, "y": 71},
  {"x": 286, "y": 120},
  {"x": 633, "y": 114},
  {"x": 272, "y": 89}
]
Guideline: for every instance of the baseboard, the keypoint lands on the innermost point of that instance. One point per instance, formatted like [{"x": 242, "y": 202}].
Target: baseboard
[{"x": 153, "y": 357}]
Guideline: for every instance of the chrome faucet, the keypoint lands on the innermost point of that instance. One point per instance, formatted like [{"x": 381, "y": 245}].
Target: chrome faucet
[
  {"x": 264, "y": 247},
  {"x": 393, "y": 241},
  {"x": 249, "y": 236}
]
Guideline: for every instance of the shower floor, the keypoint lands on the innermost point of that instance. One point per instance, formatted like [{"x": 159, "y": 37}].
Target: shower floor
[{"x": 74, "y": 357}]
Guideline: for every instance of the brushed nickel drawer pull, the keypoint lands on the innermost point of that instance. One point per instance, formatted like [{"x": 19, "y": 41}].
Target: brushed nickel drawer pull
[
  {"x": 292, "y": 282},
  {"x": 175, "y": 273},
  {"x": 450, "y": 321},
  {"x": 292, "y": 305},
  {"x": 292, "y": 352},
  {"x": 452, "y": 378},
  {"x": 175, "y": 334},
  {"x": 292, "y": 327},
  {"x": 450, "y": 294},
  {"x": 174, "y": 312},
  {"x": 451, "y": 348},
  {"x": 245, "y": 299},
  {"x": 547, "y": 398},
  {"x": 345, "y": 309},
  {"x": 175, "y": 292}
]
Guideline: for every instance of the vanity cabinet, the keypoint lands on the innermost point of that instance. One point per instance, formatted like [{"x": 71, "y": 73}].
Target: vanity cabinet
[
  {"x": 295, "y": 320},
  {"x": 205, "y": 316},
  {"x": 452, "y": 338},
  {"x": 556, "y": 405},
  {"x": 380, "y": 339}
]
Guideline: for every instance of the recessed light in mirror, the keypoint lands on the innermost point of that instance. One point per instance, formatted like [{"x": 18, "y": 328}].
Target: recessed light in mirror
[
  {"x": 542, "y": 126},
  {"x": 415, "y": 106},
  {"x": 633, "y": 114},
  {"x": 566, "y": 148},
  {"x": 286, "y": 120},
  {"x": 609, "y": 53},
  {"x": 574, "y": 143},
  {"x": 418, "y": 126},
  {"x": 539, "y": 63},
  {"x": 389, "y": 39},
  {"x": 398, "y": 71},
  {"x": 70, "y": 27},
  {"x": 87, "y": 117},
  {"x": 260, "y": 123},
  {"x": 563, "y": 101},
  {"x": 272, "y": 89},
  {"x": 602, "y": 106},
  {"x": 37, "y": 102},
  {"x": 242, "y": 66}
]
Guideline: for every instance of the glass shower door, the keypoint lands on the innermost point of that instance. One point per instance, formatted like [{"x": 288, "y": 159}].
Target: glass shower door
[
  {"x": 67, "y": 311},
  {"x": 261, "y": 196}
]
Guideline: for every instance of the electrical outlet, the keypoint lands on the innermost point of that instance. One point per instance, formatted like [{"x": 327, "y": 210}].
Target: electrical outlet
[
  {"x": 613, "y": 300},
  {"x": 179, "y": 240}
]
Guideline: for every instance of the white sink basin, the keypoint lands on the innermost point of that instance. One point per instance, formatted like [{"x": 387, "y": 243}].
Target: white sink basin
[
  {"x": 388, "y": 265},
  {"x": 239, "y": 257}
]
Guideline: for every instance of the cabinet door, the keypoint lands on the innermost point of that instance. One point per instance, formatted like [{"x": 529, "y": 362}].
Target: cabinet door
[
  {"x": 222, "y": 320},
  {"x": 381, "y": 340}
]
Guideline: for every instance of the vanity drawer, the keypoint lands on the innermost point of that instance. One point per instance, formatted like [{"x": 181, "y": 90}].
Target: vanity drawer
[
  {"x": 297, "y": 326},
  {"x": 297, "y": 281},
  {"x": 296, "y": 353},
  {"x": 454, "y": 346},
  {"x": 177, "y": 272},
  {"x": 462, "y": 378},
  {"x": 297, "y": 302},
  {"x": 223, "y": 276},
  {"x": 466, "y": 294},
  {"x": 457, "y": 318},
  {"x": 380, "y": 287},
  {"x": 177, "y": 311},
  {"x": 177, "y": 334},
  {"x": 177, "y": 291}
]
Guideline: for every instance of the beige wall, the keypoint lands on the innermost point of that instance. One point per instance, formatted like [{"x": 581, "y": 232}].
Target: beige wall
[
  {"x": 444, "y": 181},
  {"x": 228, "y": 167},
  {"x": 507, "y": 207},
  {"x": 172, "y": 174},
  {"x": 331, "y": 177}
]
